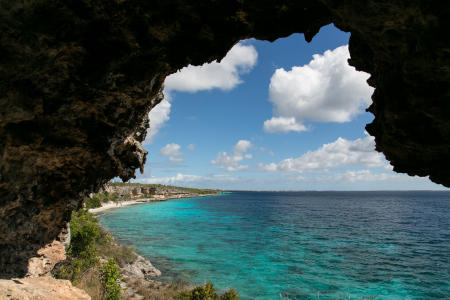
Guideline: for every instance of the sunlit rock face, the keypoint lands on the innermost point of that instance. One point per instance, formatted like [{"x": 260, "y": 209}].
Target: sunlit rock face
[{"x": 78, "y": 78}]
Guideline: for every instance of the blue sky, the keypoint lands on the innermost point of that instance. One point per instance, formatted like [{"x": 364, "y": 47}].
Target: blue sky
[{"x": 286, "y": 115}]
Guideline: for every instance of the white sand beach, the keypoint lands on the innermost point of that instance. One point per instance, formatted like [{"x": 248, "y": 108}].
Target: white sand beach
[{"x": 113, "y": 205}]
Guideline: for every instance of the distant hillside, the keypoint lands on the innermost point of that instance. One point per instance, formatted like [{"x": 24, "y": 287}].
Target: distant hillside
[
  {"x": 165, "y": 188},
  {"x": 118, "y": 193}
]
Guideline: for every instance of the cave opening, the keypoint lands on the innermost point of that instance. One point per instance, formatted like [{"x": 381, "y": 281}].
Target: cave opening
[
  {"x": 249, "y": 121},
  {"x": 70, "y": 68}
]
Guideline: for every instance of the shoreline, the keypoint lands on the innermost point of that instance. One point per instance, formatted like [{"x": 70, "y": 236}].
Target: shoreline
[
  {"x": 114, "y": 205},
  {"x": 141, "y": 276}
]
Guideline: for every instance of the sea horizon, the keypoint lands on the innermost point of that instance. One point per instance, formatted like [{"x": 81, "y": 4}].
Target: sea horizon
[
  {"x": 419, "y": 190},
  {"x": 297, "y": 244}
]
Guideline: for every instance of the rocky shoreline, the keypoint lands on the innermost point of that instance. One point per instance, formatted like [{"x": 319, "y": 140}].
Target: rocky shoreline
[
  {"x": 138, "y": 275},
  {"x": 39, "y": 283},
  {"x": 141, "y": 273}
]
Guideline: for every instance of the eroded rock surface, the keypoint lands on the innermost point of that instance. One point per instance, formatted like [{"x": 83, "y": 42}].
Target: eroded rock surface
[
  {"x": 40, "y": 288},
  {"x": 46, "y": 260},
  {"x": 78, "y": 78},
  {"x": 140, "y": 269}
]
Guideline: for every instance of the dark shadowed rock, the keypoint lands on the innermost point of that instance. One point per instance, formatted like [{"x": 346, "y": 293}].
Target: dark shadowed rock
[{"x": 78, "y": 78}]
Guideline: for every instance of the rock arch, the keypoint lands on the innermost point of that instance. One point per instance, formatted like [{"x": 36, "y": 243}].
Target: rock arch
[{"x": 78, "y": 78}]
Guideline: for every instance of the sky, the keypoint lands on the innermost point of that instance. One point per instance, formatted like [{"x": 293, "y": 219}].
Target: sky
[{"x": 287, "y": 115}]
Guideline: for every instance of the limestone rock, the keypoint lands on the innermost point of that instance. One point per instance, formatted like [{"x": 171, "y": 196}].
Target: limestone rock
[
  {"x": 40, "y": 288},
  {"x": 48, "y": 257},
  {"x": 140, "y": 269}
]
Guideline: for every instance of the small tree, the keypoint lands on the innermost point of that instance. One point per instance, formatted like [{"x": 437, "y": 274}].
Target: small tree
[
  {"x": 110, "y": 278},
  {"x": 207, "y": 292},
  {"x": 84, "y": 231},
  {"x": 92, "y": 202},
  {"x": 81, "y": 253},
  {"x": 230, "y": 295}
]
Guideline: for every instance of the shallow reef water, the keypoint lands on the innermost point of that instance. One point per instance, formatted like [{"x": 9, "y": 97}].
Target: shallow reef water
[{"x": 298, "y": 245}]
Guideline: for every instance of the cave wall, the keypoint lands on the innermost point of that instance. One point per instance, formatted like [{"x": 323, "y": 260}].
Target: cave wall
[{"x": 78, "y": 78}]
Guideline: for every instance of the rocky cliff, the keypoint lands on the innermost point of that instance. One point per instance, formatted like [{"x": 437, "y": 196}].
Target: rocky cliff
[{"x": 78, "y": 78}]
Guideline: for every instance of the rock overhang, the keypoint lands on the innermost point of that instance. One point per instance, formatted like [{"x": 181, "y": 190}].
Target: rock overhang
[{"x": 78, "y": 79}]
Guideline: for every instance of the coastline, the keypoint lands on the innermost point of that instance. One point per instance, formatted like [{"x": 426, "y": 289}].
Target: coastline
[
  {"x": 114, "y": 205},
  {"x": 140, "y": 277}
]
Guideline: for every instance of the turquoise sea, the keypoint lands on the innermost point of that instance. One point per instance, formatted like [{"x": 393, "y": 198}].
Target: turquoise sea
[{"x": 298, "y": 245}]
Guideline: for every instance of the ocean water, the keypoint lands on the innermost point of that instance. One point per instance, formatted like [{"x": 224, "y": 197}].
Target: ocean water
[{"x": 298, "y": 245}]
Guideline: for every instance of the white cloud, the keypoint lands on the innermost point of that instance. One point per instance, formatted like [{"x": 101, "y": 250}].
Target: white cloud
[
  {"x": 212, "y": 180},
  {"x": 231, "y": 162},
  {"x": 179, "y": 178},
  {"x": 341, "y": 152},
  {"x": 173, "y": 151},
  {"x": 191, "y": 147},
  {"x": 242, "y": 146},
  {"x": 362, "y": 175},
  {"x": 282, "y": 124},
  {"x": 325, "y": 90},
  {"x": 272, "y": 167},
  {"x": 176, "y": 159},
  {"x": 158, "y": 116},
  {"x": 224, "y": 75}
]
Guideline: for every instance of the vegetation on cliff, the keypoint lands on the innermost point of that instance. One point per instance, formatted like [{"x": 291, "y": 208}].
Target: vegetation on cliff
[
  {"x": 167, "y": 188},
  {"x": 103, "y": 197},
  {"x": 117, "y": 192},
  {"x": 207, "y": 292},
  {"x": 93, "y": 258},
  {"x": 110, "y": 277},
  {"x": 95, "y": 262}
]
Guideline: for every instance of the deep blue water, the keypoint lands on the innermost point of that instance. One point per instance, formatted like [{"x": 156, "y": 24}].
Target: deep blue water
[{"x": 300, "y": 245}]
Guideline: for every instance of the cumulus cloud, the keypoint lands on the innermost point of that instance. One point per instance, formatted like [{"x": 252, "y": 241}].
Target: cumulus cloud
[
  {"x": 179, "y": 178},
  {"x": 325, "y": 90},
  {"x": 241, "y": 147},
  {"x": 188, "y": 179},
  {"x": 224, "y": 75},
  {"x": 172, "y": 150},
  {"x": 362, "y": 175},
  {"x": 158, "y": 116},
  {"x": 191, "y": 147},
  {"x": 231, "y": 162},
  {"x": 272, "y": 167},
  {"x": 341, "y": 152},
  {"x": 282, "y": 124}
]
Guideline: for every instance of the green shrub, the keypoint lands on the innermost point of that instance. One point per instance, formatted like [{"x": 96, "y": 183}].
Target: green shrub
[
  {"x": 107, "y": 197},
  {"x": 207, "y": 292},
  {"x": 92, "y": 202},
  {"x": 230, "y": 295},
  {"x": 110, "y": 278},
  {"x": 99, "y": 198},
  {"x": 84, "y": 230},
  {"x": 81, "y": 254}
]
